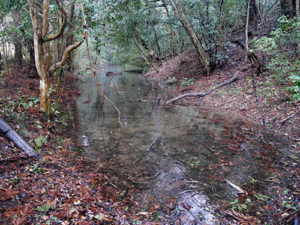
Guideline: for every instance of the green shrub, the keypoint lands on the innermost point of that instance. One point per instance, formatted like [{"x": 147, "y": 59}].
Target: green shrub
[
  {"x": 281, "y": 51},
  {"x": 186, "y": 82}
]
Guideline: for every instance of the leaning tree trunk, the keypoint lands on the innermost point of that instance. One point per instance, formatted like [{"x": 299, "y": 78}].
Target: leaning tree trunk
[
  {"x": 156, "y": 40},
  {"x": 204, "y": 58}
]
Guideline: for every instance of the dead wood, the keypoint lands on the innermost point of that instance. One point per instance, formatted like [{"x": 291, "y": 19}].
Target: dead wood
[
  {"x": 288, "y": 118},
  {"x": 251, "y": 57},
  {"x": 237, "y": 188},
  {"x": 234, "y": 78},
  {"x": 6, "y": 130},
  {"x": 237, "y": 216}
]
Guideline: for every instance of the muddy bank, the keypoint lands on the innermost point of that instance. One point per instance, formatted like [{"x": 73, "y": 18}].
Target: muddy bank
[{"x": 280, "y": 113}]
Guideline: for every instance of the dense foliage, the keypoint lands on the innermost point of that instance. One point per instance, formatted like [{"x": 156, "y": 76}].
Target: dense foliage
[{"x": 281, "y": 50}]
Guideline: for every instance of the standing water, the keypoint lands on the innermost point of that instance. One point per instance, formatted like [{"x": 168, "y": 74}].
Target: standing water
[{"x": 191, "y": 158}]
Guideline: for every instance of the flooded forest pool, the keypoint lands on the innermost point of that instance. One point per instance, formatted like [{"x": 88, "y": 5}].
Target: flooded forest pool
[{"x": 189, "y": 161}]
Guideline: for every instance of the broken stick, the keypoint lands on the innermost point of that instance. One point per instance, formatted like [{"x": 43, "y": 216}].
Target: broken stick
[
  {"x": 237, "y": 188},
  {"x": 234, "y": 78}
]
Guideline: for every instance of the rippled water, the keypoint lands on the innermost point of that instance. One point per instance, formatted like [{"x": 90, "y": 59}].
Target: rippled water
[{"x": 195, "y": 153}]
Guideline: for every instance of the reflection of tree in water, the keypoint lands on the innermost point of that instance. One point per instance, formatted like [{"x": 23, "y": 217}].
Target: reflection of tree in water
[{"x": 198, "y": 150}]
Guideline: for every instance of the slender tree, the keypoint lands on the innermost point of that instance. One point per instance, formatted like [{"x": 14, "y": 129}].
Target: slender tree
[
  {"x": 42, "y": 39},
  {"x": 204, "y": 58}
]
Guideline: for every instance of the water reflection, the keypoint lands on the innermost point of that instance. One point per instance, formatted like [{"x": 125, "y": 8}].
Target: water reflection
[{"x": 196, "y": 152}]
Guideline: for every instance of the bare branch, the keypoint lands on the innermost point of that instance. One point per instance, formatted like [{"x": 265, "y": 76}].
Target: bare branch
[
  {"x": 234, "y": 78},
  {"x": 64, "y": 57},
  {"x": 62, "y": 26}
]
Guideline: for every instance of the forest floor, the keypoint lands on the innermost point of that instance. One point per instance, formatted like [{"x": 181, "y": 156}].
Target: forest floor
[
  {"x": 58, "y": 186},
  {"x": 280, "y": 113}
]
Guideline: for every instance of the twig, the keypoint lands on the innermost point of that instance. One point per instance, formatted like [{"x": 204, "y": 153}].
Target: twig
[
  {"x": 239, "y": 217},
  {"x": 240, "y": 190},
  {"x": 153, "y": 143},
  {"x": 234, "y": 78}
]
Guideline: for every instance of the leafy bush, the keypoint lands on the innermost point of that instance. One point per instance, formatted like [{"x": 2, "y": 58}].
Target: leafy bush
[
  {"x": 281, "y": 51},
  {"x": 295, "y": 88},
  {"x": 186, "y": 82}
]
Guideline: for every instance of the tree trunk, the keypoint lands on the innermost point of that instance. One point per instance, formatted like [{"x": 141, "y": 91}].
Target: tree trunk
[
  {"x": 288, "y": 8},
  {"x": 17, "y": 40},
  {"x": 45, "y": 102},
  {"x": 246, "y": 29},
  {"x": 31, "y": 51},
  {"x": 5, "y": 59},
  {"x": 204, "y": 58},
  {"x": 156, "y": 40},
  {"x": 144, "y": 44},
  {"x": 70, "y": 37},
  {"x": 0, "y": 62},
  {"x": 43, "y": 55},
  {"x": 254, "y": 12},
  {"x": 172, "y": 38},
  {"x": 18, "y": 52},
  {"x": 297, "y": 14}
]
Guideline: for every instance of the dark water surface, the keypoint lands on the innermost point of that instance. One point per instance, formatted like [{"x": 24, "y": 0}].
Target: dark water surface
[{"x": 196, "y": 152}]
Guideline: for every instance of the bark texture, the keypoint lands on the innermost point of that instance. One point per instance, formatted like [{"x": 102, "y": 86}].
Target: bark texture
[
  {"x": 6, "y": 130},
  {"x": 288, "y": 8},
  {"x": 43, "y": 57},
  {"x": 204, "y": 58},
  {"x": 17, "y": 40}
]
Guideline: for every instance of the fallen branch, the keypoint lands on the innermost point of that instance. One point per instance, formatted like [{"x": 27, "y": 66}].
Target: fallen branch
[
  {"x": 6, "y": 130},
  {"x": 287, "y": 118},
  {"x": 237, "y": 188},
  {"x": 237, "y": 216},
  {"x": 234, "y": 78}
]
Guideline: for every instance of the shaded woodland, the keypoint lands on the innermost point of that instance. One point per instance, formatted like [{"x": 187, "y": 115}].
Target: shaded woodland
[{"x": 239, "y": 57}]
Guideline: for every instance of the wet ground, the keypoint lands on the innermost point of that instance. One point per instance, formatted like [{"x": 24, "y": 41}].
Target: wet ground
[{"x": 190, "y": 162}]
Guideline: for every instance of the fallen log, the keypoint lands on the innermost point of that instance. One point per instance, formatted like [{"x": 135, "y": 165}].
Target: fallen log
[
  {"x": 9, "y": 133},
  {"x": 234, "y": 78}
]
